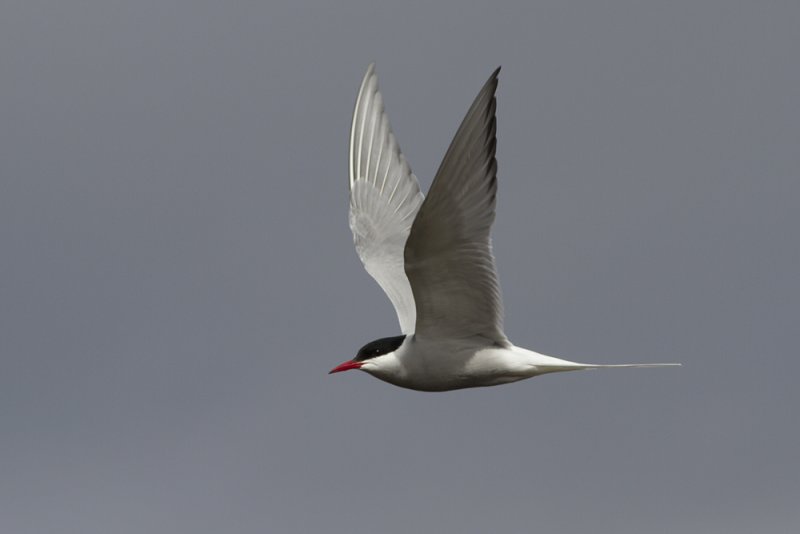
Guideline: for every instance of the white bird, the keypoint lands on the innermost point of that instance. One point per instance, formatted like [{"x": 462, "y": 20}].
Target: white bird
[{"x": 433, "y": 256}]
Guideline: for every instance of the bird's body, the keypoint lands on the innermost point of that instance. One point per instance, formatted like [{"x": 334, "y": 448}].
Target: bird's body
[
  {"x": 447, "y": 364},
  {"x": 432, "y": 256}
]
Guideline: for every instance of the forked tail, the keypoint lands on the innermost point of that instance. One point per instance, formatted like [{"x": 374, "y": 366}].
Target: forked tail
[
  {"x": 602, "y": 366},
  {"x": 541, "y": 363}
]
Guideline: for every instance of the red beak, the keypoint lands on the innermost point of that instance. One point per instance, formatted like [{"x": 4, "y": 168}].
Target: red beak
[{"x": 346, "y": 366}]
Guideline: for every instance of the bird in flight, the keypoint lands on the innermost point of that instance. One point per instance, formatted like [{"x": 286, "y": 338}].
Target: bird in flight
[{"x": 432, "y": 256}]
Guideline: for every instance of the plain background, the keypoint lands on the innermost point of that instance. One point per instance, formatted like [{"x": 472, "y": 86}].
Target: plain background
[{"x": 177, "y": 275}]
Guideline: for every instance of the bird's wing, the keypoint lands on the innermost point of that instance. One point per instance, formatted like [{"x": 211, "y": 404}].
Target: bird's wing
[
  {"x": 384, "y": 199},
  {"x": 448, "y": 255}
]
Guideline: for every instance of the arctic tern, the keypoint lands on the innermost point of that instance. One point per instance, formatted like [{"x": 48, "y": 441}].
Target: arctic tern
[{"x": 432, "y": 256}]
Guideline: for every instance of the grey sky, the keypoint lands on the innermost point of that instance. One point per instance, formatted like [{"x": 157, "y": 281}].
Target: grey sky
[{"x": 177, "y": 273}]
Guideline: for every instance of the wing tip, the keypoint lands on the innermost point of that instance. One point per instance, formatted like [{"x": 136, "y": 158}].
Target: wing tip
[
  {"x": 494, "y": 78},
  {"x": 490, "y": 87},
  {"x": 370, "y": 73},
  {"x": 369, "y": 78}
]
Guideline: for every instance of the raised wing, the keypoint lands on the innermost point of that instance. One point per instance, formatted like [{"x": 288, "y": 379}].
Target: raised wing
[
  {"x": 448, "y": 256},
  {"x": 384, "y": 199}
]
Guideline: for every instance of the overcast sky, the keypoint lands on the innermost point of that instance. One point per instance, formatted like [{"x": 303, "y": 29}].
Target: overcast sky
[{"x": 177, "y": 275}]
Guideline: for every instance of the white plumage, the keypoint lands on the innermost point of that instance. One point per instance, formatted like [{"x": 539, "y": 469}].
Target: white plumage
[{"x": 432, "y": 256}]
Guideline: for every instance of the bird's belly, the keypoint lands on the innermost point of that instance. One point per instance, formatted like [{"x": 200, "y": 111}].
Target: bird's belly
[
  {"x": 435, "y": 368},
  {"x": 448, "y": 383}
]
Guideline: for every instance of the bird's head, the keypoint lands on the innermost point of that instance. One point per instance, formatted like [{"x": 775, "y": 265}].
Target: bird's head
[{"x": 374, "y": 357}]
